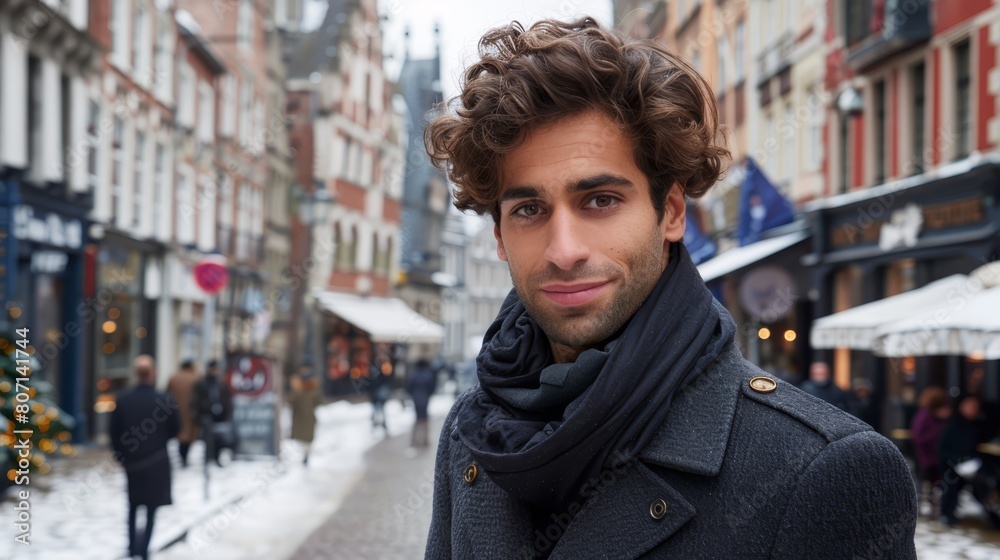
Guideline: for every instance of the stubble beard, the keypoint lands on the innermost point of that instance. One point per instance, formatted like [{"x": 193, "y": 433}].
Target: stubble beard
[{"x": 588, "y": 326}]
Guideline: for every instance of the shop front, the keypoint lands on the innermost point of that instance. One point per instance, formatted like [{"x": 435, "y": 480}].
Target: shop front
[
  {"x": 126, "y": 291},
  {"x": 902, "y": 237},
  {"x": 42, "y": 251},
  {"x": 358, "y": 332}
]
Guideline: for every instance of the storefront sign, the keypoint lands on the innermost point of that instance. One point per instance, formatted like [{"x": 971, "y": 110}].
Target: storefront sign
[
  {"x": 47, "y": 228},
  {"x": 255, "y": 405},
  {"x": 48, "y": 262},
  {"x": 901, "y": 227}
]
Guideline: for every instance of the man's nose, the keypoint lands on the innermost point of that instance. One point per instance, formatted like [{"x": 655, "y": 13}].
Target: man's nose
[{"x": 566, "y": 246}]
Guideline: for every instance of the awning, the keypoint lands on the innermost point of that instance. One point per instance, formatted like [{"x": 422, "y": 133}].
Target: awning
[
  {"x": 856, "y": 328},
  {"x": 740, "y": 257},
  {"x": 966, "y": 323},
  {"x": 384, "y": 319},
  {"x": 958, "y": 315}
]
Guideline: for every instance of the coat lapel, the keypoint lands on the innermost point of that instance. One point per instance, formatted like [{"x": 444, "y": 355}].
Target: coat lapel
[{"x": 618, "y": 521}]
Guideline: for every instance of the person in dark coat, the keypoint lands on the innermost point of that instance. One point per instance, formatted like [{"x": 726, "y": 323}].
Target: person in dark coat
[
  {"x": 421, "y": 383},
  {"x": 213, "y": 407},
  {"x": 141, "y": 423},
  {"x": 821, "y": 386},
  {"x": 614, "y": 416},
  {"x": 959, "y": 438},
  {"x": 380, "y": 376},
  {"x": 925, "y": 430}
]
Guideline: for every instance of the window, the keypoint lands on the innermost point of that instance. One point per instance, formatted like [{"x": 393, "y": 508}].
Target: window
[
  {"x": 35, "y": 89},
  {"x": 159, "y": 188},
  {"x": 244, "y": 25},
  {"x": 845, "y": 147},
  {"x": 140, "y": 52},
  {"x": 228, "y": 125},
  {"x": 918, "y": 85},
  {"x": 206, "y": 113},
  {"x": 963, "y": 101},
  {"x": 137, "y": 197},
  {"x": 246, "y": 112},
  {"x": 184, "y": 206},
  {"x": 770, "y": 21},
  {"x": 880, "y": 132},
  {"x": 740, "y": 53},
  {"x": 66, "y": 124},
  {"x": 815, "y": 129},
  {"x": 118, "y": 160},
  {"x": 857, "y": 14},
  {"x": 185, "y": 103},
  {"x": 93, "y": 147},
  {"x": 164, "y": 61},
  {"x": 789, "y": 138}
]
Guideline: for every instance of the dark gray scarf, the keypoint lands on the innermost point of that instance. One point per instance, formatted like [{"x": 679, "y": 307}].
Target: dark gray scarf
[{"x": 541, "y": 430}]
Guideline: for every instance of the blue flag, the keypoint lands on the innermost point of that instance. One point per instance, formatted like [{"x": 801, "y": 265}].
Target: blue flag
[
  {"x": 700, "y": 247},
  {"x": 762, "y": 206}
]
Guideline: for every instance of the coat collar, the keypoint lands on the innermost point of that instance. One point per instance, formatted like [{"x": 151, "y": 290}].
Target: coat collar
[{"x": 694, "y": 435}]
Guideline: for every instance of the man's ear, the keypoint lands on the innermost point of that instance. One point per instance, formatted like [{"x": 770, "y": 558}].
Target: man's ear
[
  {"x": 501, "y": 252},
  {"x": 674, "y": 214}
]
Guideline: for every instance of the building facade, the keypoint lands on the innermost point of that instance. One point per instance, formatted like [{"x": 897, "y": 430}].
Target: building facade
[{"x": 50, "y": 65}]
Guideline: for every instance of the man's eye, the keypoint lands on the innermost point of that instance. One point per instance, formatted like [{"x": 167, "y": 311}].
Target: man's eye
[
  {"x": 528, "y": 210},
  {"x": 602, "y": 201}
]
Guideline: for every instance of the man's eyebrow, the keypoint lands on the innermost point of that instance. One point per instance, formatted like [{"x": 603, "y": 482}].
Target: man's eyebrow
[
  {"x": 519, "y": 192},
  {"x": 586, "y": 184},
  {"x": 602, "y": 180}
]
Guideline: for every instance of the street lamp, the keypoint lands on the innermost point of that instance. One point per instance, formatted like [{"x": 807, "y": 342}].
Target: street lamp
[{"x": 314, "y": 210}]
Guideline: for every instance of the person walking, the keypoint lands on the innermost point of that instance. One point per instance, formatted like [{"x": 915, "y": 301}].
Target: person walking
[
  {"x": 142, "y": 422},
  {"x": 305, "y": 396},
  {"x": 821, "y": 386},
  {"x": 213, "y": 406},
  {"x": 615, "y": 416},
  {"x": 925, "y": 429},
  {"x": 379, "y": 390},
  {"x": 421, "y": 382},
  {"x": 181, "y": 388},
  {"x": 957, "y": 444}
]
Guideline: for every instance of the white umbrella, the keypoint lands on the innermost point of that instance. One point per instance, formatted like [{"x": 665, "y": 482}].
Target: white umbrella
[{"x": 966, "y": 323}]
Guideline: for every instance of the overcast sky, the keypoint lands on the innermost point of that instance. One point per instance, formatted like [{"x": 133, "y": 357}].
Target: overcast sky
[{"x": 462, "y": 24}]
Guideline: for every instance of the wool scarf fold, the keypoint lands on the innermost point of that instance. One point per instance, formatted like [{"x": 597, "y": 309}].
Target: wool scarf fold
[{"x": 542, "y": 430}]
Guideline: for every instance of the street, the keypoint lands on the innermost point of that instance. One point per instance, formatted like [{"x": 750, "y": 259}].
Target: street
[{"x": 362, "y": 496}]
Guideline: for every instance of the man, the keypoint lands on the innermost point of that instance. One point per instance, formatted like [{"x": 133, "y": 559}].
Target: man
[
  {"x": 181, "y": 388},
  {"x": 820, "y": 386},
  {"x": 142, "y": 422},
  {"x": 213, "y": 407},
  {"x": 615, "y": 417},
  {"x": 961, "y": 434}
]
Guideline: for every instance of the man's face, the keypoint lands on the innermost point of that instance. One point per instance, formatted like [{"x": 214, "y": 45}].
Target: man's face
[
  {"x": 579, "y": 231},
  {"x": 819, "y": 372}
]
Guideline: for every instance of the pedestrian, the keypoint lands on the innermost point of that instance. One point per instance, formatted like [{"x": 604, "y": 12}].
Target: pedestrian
[
  {"x": 181, "y": 388},
  {"x": 926, "y": 433},
  {"x": 821, "y": 386},
  {"x": 421, "y": 383},
  {"x": 863, "y": 404},
  {"x": 961, "y": 434},
  {"x": 379, "y": 390},
  {"x": 142, "y": 422},
  {"x": 615, "y": 416},
  {"x": 213, "y": 406},
  {"x": 304, "y": 398}
]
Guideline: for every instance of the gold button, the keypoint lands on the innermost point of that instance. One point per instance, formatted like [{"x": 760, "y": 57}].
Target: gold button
[
  {"x": 763, "y": 384},
  {"x": 470, "y": 473},
  {"x": 658, "y": 509}
]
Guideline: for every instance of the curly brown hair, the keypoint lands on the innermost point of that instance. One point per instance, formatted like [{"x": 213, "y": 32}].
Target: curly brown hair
[{"x": 527, "y": 78}]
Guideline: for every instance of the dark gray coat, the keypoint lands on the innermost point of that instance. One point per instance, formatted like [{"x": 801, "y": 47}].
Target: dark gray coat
[{"x": 743, "y": 474}]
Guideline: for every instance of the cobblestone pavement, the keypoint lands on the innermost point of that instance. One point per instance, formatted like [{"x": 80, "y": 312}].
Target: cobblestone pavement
[{"x": 388, "y": 514}]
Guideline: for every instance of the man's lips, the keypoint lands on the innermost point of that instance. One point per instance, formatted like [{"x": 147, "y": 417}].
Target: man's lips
[{"x": 573, "y": 294}]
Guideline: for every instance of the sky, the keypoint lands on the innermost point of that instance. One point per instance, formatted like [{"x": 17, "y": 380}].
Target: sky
[{"x": 462, "y": 23}]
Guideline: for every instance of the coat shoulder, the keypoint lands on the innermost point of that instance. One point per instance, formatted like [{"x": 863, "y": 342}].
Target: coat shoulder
[{"x": 795, "y": 405}]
